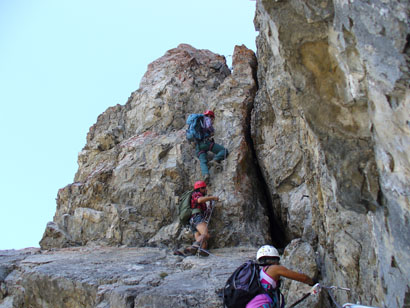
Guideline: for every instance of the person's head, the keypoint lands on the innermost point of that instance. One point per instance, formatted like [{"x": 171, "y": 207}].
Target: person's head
[
  {"x": 268, "y": 254},
  {"x": 200, "y": 186},
  {"x": 209, "y": 113}
]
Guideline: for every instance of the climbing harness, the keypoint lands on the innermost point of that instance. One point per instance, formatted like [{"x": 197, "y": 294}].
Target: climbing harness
[
  {"x": 209, "y": 149},
  {"x": 317, "y": 288}
]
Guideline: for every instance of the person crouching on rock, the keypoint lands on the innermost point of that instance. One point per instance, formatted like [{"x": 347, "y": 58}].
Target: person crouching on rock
[{"x": 199, "y": 219}]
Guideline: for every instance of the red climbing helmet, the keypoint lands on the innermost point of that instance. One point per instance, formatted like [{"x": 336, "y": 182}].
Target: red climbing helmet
[
  {"x": 199, "y": 184},
  {"x": 209, "y": 113}
]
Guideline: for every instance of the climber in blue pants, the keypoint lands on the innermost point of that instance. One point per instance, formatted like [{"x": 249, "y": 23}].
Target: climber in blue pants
[{"x": 208, "y": 144}]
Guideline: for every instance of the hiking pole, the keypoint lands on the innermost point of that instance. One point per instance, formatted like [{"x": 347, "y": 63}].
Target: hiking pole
[{"x": 314, "y": 290}]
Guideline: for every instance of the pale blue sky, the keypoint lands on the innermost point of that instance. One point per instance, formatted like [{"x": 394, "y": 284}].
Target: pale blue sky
[{"x": 62, "y": 63}]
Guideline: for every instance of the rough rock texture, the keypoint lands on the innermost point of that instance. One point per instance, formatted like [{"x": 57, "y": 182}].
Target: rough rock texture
[
  {"x": 331, "y": 132},
  {"x": 105, "y": 277},
  {"x": 137, "y": 161},
  {"x": 317, "y": 126}
]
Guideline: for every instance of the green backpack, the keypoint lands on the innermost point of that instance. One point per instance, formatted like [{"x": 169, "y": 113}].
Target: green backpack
[{"x": 184, "y": 207}]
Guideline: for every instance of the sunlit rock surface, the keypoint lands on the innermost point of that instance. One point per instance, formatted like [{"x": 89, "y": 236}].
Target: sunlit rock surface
[
  {"x": 330, "y": 126},
  {"x": 117, "y": 277},
  {"x": 137, "y": 161},
  {"x": 317, "y": 126}
]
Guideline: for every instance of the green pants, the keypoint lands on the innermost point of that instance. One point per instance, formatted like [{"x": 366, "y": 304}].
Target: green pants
[{"x": 202, "y": 149}]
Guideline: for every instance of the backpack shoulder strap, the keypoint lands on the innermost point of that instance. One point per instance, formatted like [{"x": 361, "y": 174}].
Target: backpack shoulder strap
[
  {"x": 280, "y": 299},
  {"x": 274, "y": 294},
  {"x": 195, "y": 210}
]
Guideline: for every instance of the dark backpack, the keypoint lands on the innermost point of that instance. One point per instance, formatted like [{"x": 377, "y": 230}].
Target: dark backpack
[
  {"x": 184, "y": 207},
  {"x": 244, "y": 284},
  {"x": 195, "y": 130}
]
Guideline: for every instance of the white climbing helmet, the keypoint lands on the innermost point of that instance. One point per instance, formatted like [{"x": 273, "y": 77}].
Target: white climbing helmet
[{"x": 267, "y": 251}]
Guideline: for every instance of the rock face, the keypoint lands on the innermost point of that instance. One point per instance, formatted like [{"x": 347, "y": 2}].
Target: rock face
[
  {"x": 331, "y": 132},
  {"x": 137, "y": 161},
  {"x": 116, "y": 277},
  {"x": 317, "y": 128},
  {"x": 105, "y": 277}
]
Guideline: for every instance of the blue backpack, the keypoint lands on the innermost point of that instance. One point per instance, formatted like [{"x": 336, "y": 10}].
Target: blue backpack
[{"x": 195, "y": 131}]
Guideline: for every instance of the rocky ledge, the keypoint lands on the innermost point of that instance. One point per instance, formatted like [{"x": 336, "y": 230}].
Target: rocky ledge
[{"x": 126, "y": 277}]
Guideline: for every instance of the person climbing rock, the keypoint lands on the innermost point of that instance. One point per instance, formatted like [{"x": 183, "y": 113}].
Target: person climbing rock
[
  {"x": 199, "y": 220},
  {"x": 270, "y": 275},
  {"x": 206, "y": 144}
]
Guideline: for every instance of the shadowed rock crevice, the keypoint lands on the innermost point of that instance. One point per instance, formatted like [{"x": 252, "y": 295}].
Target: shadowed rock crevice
[
  {"x": 276, "y": 229},
  {"x": 328, "y": 123}
]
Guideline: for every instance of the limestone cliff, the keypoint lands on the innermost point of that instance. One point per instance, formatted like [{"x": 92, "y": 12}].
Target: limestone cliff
[
  {"x": 137, "y": 160},
  {"x": 317, "y": 126},
  {"x": 331, "y": 131}
]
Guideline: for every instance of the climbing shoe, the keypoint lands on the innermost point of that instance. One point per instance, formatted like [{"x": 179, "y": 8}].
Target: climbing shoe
[
  {"x": 179, "y": 252},
  {"x": 215, "y": 164},
  {"x": 190, "y": 251},
  {"x": 203, "y": 253}
]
